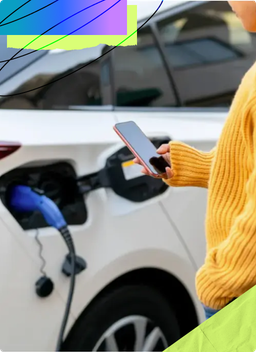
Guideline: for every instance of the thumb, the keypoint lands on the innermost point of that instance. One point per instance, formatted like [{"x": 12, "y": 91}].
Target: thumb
[{"x": 169, "y": 172}]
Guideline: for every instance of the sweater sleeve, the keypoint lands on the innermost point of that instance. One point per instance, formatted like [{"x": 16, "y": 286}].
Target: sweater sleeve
[
  {"x": 191, "y": 167},
  {"x": 230, "y": 268}
]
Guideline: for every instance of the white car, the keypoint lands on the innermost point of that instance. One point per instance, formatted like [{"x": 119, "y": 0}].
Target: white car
[{"x": 142, "y": 242}]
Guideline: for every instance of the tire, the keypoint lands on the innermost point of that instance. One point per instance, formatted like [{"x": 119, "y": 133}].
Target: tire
[{"x": 123, "y": 314}]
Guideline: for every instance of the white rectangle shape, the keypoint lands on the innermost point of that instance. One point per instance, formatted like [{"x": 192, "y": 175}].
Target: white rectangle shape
[{"x": 131, "y": 170}]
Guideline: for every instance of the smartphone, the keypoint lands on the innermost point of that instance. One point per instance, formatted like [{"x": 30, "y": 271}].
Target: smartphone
[{"x": 142, "y": 148}]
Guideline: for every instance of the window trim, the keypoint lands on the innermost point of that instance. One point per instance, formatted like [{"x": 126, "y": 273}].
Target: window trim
[
  {"x": 167, "y": 66},
  {"x": 171, "y": 109},
  {"x": 112, "y": 76},
  {"x": 88, "y": 108}
]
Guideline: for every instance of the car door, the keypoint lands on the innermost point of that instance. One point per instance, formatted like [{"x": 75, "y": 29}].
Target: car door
[{"x": 200, "y": 90}]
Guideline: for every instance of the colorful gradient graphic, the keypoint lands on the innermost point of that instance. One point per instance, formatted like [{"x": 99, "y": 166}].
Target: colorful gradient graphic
[
  {"x": 63, "y": 17},
  {"x": 77, "y": 42}
]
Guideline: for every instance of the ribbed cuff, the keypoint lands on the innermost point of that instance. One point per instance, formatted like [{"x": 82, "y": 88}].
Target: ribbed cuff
[
  {"x": 209, "y": 292},
  {"x": 190, "y": 166}
]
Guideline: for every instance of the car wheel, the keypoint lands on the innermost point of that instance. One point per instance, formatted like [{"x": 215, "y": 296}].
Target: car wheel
[{"x": 131, "y": 318}]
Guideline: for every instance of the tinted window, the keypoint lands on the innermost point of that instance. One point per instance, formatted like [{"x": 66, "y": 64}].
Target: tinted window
[
  {"x": 82, "y": 87},
  {"x": 140, "y": 75},
  {"x": 209, "y": 51}
]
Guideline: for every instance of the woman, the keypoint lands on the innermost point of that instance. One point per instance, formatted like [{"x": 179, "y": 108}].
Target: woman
[{"x": 229, "y": 173}]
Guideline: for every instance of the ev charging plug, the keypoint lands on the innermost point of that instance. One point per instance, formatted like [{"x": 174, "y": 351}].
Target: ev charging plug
[{"x": 24, "y": 199}]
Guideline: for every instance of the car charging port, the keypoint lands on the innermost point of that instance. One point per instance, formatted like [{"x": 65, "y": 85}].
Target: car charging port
[
  {"x": 136, "y": 189},
  {"x": 56, "y": 181},
  {"x": 60, "y": 183}
]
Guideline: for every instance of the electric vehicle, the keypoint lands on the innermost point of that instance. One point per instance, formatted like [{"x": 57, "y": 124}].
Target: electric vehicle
[{"x": 142, "y": 242}]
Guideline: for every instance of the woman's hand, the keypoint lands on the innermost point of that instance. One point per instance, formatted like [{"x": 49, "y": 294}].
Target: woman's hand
[{"x": 164, "y": 151}]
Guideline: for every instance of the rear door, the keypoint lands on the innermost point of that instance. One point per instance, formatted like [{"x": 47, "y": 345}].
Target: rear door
[{"x": 173, "y": 86}]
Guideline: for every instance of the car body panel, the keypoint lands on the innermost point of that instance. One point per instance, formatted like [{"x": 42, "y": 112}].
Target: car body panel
[
  {"x": 21, "y": 310},
  {"x": 109, "y": 241}
]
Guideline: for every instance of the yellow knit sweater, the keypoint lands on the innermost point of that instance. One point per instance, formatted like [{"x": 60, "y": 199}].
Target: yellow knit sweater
[{"x": 229, "y": 173}]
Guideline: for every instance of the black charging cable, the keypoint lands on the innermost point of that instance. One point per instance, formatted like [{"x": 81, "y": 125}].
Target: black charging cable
[
  {"x": 24, "y": 199},
  {"x": 64, "y": 231}
]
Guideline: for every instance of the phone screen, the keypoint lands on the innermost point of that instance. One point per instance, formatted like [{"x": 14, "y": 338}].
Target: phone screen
[{"x": 142, "y": 146}]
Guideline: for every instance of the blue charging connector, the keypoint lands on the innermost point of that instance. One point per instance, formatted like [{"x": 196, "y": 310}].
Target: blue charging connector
[{"x": 24, "y": 199}]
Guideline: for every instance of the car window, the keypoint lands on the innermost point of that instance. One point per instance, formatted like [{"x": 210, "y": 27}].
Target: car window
[
  {"x": 81, "y": 87},
  {"x": 209, "y": 52},
  {"x": 140, "y": 75}
]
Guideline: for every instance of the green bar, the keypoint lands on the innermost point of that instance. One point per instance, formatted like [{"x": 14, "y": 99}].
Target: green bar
[{"x": 232, "y": 329}]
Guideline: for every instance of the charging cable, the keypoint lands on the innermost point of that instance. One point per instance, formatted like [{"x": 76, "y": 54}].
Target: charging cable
[{"x": 24, "y": 199}]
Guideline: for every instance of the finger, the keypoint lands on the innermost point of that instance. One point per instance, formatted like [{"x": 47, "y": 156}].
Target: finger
[
  {"x": 136, "y": 161},
  {"x": 144, "y": 171},
  {"x": 169, "y": 172},
  {"x": 165, "y": 148}
]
